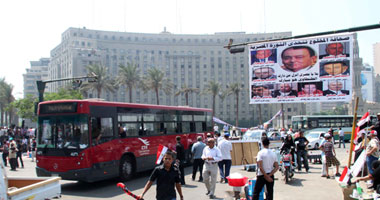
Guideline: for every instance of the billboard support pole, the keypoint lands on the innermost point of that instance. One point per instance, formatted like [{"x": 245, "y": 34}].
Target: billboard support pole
[
  {"x": 353, "y": 131},
  {"x": 282, "y": 117}
]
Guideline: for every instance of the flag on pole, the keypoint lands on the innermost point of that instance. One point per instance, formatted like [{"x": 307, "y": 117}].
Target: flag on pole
[
  {"x": 345, "y": 177},
  {"x": 359, "y": 164},
  {"x": 362, "y": 123},
  {"x": 160, "y": 153}
]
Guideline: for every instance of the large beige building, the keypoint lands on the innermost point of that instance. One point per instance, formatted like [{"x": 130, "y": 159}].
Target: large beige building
[
  {"x": 38, "y": 71},
  {"x": 191, "y": 60}
]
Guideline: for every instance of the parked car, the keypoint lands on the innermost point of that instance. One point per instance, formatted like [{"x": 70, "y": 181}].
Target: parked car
[
  {"x": 255, "y": 134},
  {"x": 315, "y": 138},
  {"x": 274, "y": 135}
]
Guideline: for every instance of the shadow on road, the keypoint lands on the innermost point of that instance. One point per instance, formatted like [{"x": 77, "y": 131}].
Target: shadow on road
[
  {"x": 103, "y": 189},
  {"x": 296, "y": 182}
]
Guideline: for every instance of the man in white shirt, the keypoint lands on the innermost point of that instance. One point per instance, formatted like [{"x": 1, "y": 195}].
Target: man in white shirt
[
  {"x": 211, "y": 155},
  {"x": 216, "y": 128},
  {"x": 341, "y": 137},
  {"x": 267, "y": 166},
  {"x": 225, "y": 148}
]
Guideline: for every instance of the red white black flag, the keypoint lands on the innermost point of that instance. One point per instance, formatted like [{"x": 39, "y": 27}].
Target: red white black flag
[{"x": 160, "y": 153}]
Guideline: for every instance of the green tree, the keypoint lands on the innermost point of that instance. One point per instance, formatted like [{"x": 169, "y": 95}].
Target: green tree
[
  {"x": 235, "y": 89},
  {"x": 2, "y": 100},
  {"x": 103, "y": 82},
  {"x": 213, "y": 88},
  {"x": 25, "y": 107},
  {"x": 6, "y": 97},
  {"x": 186, "y": 90},
  {"x": 130, "y": 76},
  {"x": 63, "y": 93},
  {"x": 155, "y": 80}
]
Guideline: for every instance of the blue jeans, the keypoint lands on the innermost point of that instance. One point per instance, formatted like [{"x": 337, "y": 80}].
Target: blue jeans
[
  {"x": 370, "y": 160},
  {"x": 341, "y": 140},
  {"x": 224, "y": 168}
]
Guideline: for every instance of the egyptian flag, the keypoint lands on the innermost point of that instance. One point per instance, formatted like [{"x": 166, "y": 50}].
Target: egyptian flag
[
  {"x": 160, "y": 153},
  {"x": 346, "y": 175},
  {"x": 363, "y": 122}
]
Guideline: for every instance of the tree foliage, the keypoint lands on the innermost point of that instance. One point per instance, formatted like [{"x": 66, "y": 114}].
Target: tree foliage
[
  {"x": 63, "y": 93},
  {"x": 129, "y": 76},
  {"x": 155, "y": 80},
  {"x": 103, "y": 80},
  {"x": 25, "y": 107}
]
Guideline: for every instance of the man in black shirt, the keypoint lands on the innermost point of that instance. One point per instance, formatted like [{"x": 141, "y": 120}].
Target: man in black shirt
[
  {"x": 180, "y": 158},
  {"x": 167, "y": 176},
  {"x": 301, "y": 144}
]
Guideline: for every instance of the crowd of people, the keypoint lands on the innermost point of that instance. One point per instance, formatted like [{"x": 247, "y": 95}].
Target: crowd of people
[{"x": 14, "y": 142}]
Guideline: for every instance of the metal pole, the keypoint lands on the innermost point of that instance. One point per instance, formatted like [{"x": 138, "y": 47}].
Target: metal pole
[
  {"x": 282, "y": 117},
  {"x": 353, "y": 131},
  {"x": 353, "y": 29}
]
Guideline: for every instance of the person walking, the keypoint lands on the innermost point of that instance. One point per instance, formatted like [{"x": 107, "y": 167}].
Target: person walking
[
  {"x": 211, "y": 155},
  {"x": 323, "y": 156},
  {"x": 34, "y": 147},
  {"x": 12, "y": 156},
  {"x": 225, "y": 148},
  {"x": 167, "y": 176},
  {"x": 19, "y": 153},
  {"x": 301, "y": 144},
  {"x": 341, "y": 137},
  {"x": 5, "y": 149},
  {"x": 267, "y": 166},
  {"x": 328, "y": 149},
  {"x": 180, "y": 158},
  {"x": 197, "y": 151}
]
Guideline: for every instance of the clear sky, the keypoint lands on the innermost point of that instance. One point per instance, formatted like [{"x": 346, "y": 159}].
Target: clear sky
[{"x": 31, "y": 28}]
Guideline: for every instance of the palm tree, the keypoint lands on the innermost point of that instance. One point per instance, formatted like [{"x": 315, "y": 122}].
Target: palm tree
[
  {"x": 186, "y": 90},
  {"x": 155, "y": 81},
  {"x": 130, "y": 76},
  {"x": 7, "y": 98},
  {"x": 214, "y": 89},
  {"x": 235, "y": 89},
  {"x": 103, "y": 80}
]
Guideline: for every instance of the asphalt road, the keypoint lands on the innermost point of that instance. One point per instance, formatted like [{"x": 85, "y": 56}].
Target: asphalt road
[{"x": 303, "y": 186}]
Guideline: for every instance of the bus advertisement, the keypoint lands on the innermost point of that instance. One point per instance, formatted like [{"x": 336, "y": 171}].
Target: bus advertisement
[
  {"x": 311, "y": 123},
  {"x": 90, "y": 140}
]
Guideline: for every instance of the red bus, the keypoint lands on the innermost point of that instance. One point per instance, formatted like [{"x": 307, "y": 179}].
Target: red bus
[{"x": 90, "y": 140}]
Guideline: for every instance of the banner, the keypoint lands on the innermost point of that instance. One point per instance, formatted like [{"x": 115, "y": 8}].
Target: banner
[{"x": 316, "y": 69}]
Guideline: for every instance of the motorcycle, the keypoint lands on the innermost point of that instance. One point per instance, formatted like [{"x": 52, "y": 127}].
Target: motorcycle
[{"x": 286, "y": 166}]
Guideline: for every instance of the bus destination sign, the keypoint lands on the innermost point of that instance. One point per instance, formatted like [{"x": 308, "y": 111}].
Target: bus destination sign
[{"x": 58, "y": 108}]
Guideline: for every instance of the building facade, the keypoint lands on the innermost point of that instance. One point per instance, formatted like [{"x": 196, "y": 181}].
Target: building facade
[
  {"x": 38, "y": 71},
  {"x": 368, "y": 83},
  {"x": 191, "y": 60},
  {"x": 376, "y": 57}
]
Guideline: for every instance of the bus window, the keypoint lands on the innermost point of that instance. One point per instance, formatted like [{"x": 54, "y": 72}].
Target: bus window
[
  {"x": 185, "y": 127},
  {"x": 102, "y": 130},
  {"x": 170, "y": 127},
  {"x": 198, "y": 127},
  {"x": 192, "y": 127},
  {"x": 131, "y": 129}
]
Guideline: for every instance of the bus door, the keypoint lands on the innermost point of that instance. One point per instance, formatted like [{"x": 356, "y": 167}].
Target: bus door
[{"x": 104, "y": 148}]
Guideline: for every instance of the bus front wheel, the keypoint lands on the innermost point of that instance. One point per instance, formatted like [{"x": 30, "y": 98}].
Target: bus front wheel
[{"x": 126, "y": 168}]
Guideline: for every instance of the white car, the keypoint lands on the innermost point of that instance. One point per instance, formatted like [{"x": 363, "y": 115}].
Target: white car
[
  {"x": 254, "y": 135},
  {"x": 315, "y": 139}
]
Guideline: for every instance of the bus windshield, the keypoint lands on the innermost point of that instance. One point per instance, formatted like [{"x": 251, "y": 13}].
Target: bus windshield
[{"x": 67, "y": 131}]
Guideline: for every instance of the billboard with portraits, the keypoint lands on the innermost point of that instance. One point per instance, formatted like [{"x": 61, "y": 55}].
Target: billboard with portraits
[{"x": 305, "y": 70}]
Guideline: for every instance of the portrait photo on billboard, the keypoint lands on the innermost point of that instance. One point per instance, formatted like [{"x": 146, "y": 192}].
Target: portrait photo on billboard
[
  {"x": 262, "y": 91},
  {"x": 334, "y": 68},
  {"x": 298, "y": 59},
  {"x": 310, "y": 89},
  {"x": 263, "y": 73},
  {"x": 336, "y": 87},
  {"x": 285, "y": 90},
  {"x": 263, "y": 56},
  {"x": 334, "y": 50}
]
